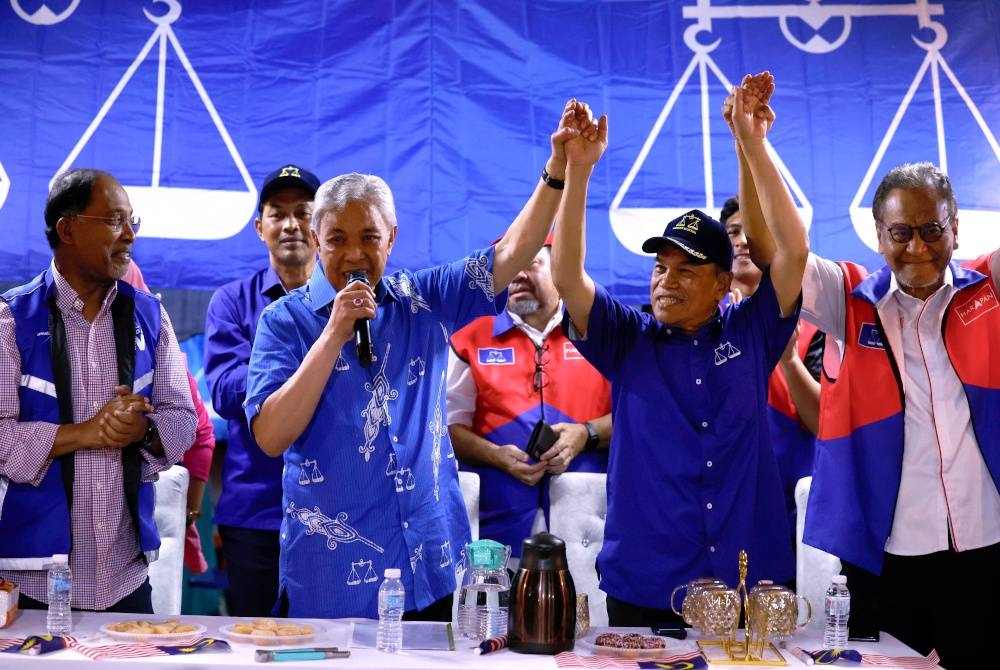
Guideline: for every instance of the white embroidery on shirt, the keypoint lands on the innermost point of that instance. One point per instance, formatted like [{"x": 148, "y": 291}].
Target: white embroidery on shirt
[
  {"x": 404, "y": 480},
  {"x": 417, "y": 368},
  {"x": 335, "y": 530},
  {"x": 418, "y": 555},
  {"x": 140, "y": 339},
  {"x": 404, "y": 288},
  {"x": 341, "y": 365},
  {"x": 437, "y": 430},
  {"x": 390, "y": 469},
  {"x": 309, "y": 473},
  {"x": 725, "y": 352},
  {"x": 353, "y": 579},
  {"x": 482, "y": 278},
  {"x": 444, "y": 331},
  {"x": 445, "y": 554},
  {"x": 376, "y": 413}
]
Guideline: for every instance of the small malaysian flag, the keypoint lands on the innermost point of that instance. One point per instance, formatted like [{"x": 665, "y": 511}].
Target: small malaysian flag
[
  {"x": 690, "y": 660},
  {"x": 144, "y": 650},
  {"x": 35, "y": 645},
  {"x": 844, "y": 656}
]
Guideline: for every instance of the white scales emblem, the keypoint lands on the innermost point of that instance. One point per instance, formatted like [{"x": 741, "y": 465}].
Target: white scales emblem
[
  {"x": 209, "y": 214},
  {"x": 632, "y": 225}
]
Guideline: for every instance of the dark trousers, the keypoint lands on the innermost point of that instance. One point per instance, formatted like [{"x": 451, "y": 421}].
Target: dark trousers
[
  {"x": 139, "y": 601},
  {"x": 621, "y": 613},
  {"x": 945, "y": 601},
  {"x": 252, "y": 570}
]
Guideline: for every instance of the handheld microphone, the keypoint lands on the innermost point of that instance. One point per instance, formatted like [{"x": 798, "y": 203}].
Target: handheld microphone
[{"x": 362, "y": 329}]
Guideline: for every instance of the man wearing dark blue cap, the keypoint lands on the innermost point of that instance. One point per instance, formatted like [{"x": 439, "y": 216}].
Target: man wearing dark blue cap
[
  {"x": 249, "y": 509},
  {"x": 692, "y": 479}
]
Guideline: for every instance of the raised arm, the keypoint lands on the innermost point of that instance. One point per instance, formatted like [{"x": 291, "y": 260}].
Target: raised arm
[
  {"x": 569, "y": 249},
  {"x": 527, "y": 233},
  {"x": 774, "y": 230}
]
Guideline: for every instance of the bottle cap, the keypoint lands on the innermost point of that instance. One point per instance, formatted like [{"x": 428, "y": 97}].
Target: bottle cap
[
  {"x": 488, "y": 554},
  {"x": 840, "y": 579},
  {"x": 60, "y": 558},
  {"x": 392, "y": 573}
]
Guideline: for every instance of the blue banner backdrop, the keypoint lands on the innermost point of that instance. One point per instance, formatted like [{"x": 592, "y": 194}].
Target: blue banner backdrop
[{"x": 189, "y": 105}]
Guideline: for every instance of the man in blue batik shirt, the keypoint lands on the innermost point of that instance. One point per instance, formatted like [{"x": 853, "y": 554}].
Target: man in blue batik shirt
[
  {"x": 249, "y": 510},
  {"x": 692, "y": 479},
  {"x": 370, "y": 480}
]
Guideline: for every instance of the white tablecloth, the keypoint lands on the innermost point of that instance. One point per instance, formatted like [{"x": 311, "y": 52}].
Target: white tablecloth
[{"x": 86, "y": 626}]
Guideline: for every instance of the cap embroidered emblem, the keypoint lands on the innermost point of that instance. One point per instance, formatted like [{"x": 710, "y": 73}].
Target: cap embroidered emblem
[
  {"x": 689, "y": 223},
  {"x": 290, "y": 171}
]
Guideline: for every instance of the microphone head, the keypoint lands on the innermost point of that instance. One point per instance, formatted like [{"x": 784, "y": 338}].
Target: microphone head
[{"x": 357, "y": 275}]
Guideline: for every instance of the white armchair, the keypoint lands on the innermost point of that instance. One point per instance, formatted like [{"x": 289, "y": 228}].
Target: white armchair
[
  {"x": 813, "y": 568},
  {"x": 469, "y": 482},
  {"x": 166, "y": 574},
  {"x": 578, "y": 506}
]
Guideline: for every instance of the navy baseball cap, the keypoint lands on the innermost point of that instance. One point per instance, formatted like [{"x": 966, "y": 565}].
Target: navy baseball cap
[
  {"x": 699, "y": 236},
  {"x": 289, "y": 176}
]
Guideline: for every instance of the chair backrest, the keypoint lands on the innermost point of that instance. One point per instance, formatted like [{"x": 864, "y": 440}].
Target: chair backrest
[
  {"x": 578, "y": 505},
  {"x": 813, "y": 568},
  {"x": 469, "y": 482},
  {"x": 166, "y": 574}
]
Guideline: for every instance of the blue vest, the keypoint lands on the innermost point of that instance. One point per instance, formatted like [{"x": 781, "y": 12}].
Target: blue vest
[
  {"x": 859, "y": 453},
  {"x": 35, "y": 520}
]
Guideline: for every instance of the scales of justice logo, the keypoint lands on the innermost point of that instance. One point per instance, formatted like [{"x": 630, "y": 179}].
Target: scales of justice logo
[
  {"x": 208, "y": 213},
  {"x": 632, "y": 225}
]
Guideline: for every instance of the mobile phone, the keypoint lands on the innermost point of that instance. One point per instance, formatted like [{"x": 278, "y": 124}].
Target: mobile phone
[
  {"x": 674, "y": 630},
  {"x": 861, "y": 633},
  {"x": 542, "y": 438}
]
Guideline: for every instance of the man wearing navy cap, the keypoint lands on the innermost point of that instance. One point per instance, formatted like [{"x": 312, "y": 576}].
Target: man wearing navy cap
[
  {"x": 249, "y": 508},
  {"x": 692, "y": 479}
]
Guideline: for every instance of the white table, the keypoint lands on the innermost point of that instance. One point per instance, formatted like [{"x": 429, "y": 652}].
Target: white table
[{"x": 88, "y": 624}]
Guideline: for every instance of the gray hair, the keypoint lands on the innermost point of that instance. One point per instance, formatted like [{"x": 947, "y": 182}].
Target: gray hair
[
  {"x": 336, "y": 194},
  {"x": 912, "y": 176},
  {"x": 71, "y": 193}
]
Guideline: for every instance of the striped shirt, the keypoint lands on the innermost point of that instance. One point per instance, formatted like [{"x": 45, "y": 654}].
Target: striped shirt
[{"x": 106, "y": 560}]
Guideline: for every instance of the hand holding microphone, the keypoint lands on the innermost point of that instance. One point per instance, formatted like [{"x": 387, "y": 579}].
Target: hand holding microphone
[{"x": 362, "y": 327}]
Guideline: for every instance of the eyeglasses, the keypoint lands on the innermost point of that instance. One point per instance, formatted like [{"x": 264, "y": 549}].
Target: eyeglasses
[
  {"x": 929, "y": 232},
  {"x": 541, "y": 378},
  {"x": 116, "y": 222}
]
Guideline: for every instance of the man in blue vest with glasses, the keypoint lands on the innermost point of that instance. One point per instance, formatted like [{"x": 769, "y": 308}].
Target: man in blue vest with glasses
[{"x": 94, "y": 401}]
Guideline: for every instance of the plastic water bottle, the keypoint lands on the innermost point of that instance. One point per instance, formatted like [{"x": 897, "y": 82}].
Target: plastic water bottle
[
  {"x": 60, "y": 617},
  {"x": 838, "y": 609},
  {"x": 391, "y": 601}
]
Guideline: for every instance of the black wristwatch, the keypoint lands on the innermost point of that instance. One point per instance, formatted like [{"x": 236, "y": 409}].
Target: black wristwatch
[
  {"x": 150, "y": 437},
  {"x": 592, "y": 439}
]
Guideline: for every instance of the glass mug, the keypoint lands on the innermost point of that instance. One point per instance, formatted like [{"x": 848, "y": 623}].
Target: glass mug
[
  {"x": 773, "y": 612},
  {"x": 690, "y": 606},
  {"x": 717, "y": 610}
]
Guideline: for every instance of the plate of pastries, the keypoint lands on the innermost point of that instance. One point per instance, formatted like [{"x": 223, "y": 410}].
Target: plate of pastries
[
  {"x": 270, "y": 631},
  {"x": 149, "y": 630}
]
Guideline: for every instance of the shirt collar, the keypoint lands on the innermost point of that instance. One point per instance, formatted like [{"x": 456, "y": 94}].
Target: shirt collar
[
  {"x": 711, "y": 329},
  {"x": 876, "y": 287},
  {"x": 321, "y": 293},
  {"x": 66, "y": 296},
  {"x": 507, "y": 320},
  {"x": 272, "y": 286}
]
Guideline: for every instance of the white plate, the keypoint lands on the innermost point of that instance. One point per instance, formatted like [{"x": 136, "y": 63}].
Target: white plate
[
  {"x": 272, "y": 640},
  {"x": 156, "y": 638},
  {"x": 600, "y": 650}
]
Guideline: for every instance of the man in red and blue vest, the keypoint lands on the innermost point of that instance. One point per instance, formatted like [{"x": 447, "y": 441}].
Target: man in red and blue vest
[
  {"x": 94, "y": 402},
  {"x": 905, "y": 489},
  {"x": 507, "y": 372}
]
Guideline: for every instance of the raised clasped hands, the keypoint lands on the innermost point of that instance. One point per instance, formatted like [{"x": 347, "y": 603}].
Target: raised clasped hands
[
  {"x": 747, "y": 110},
  {"x": 587, "y": 138},
  {"x": 122, "y": 420}
]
